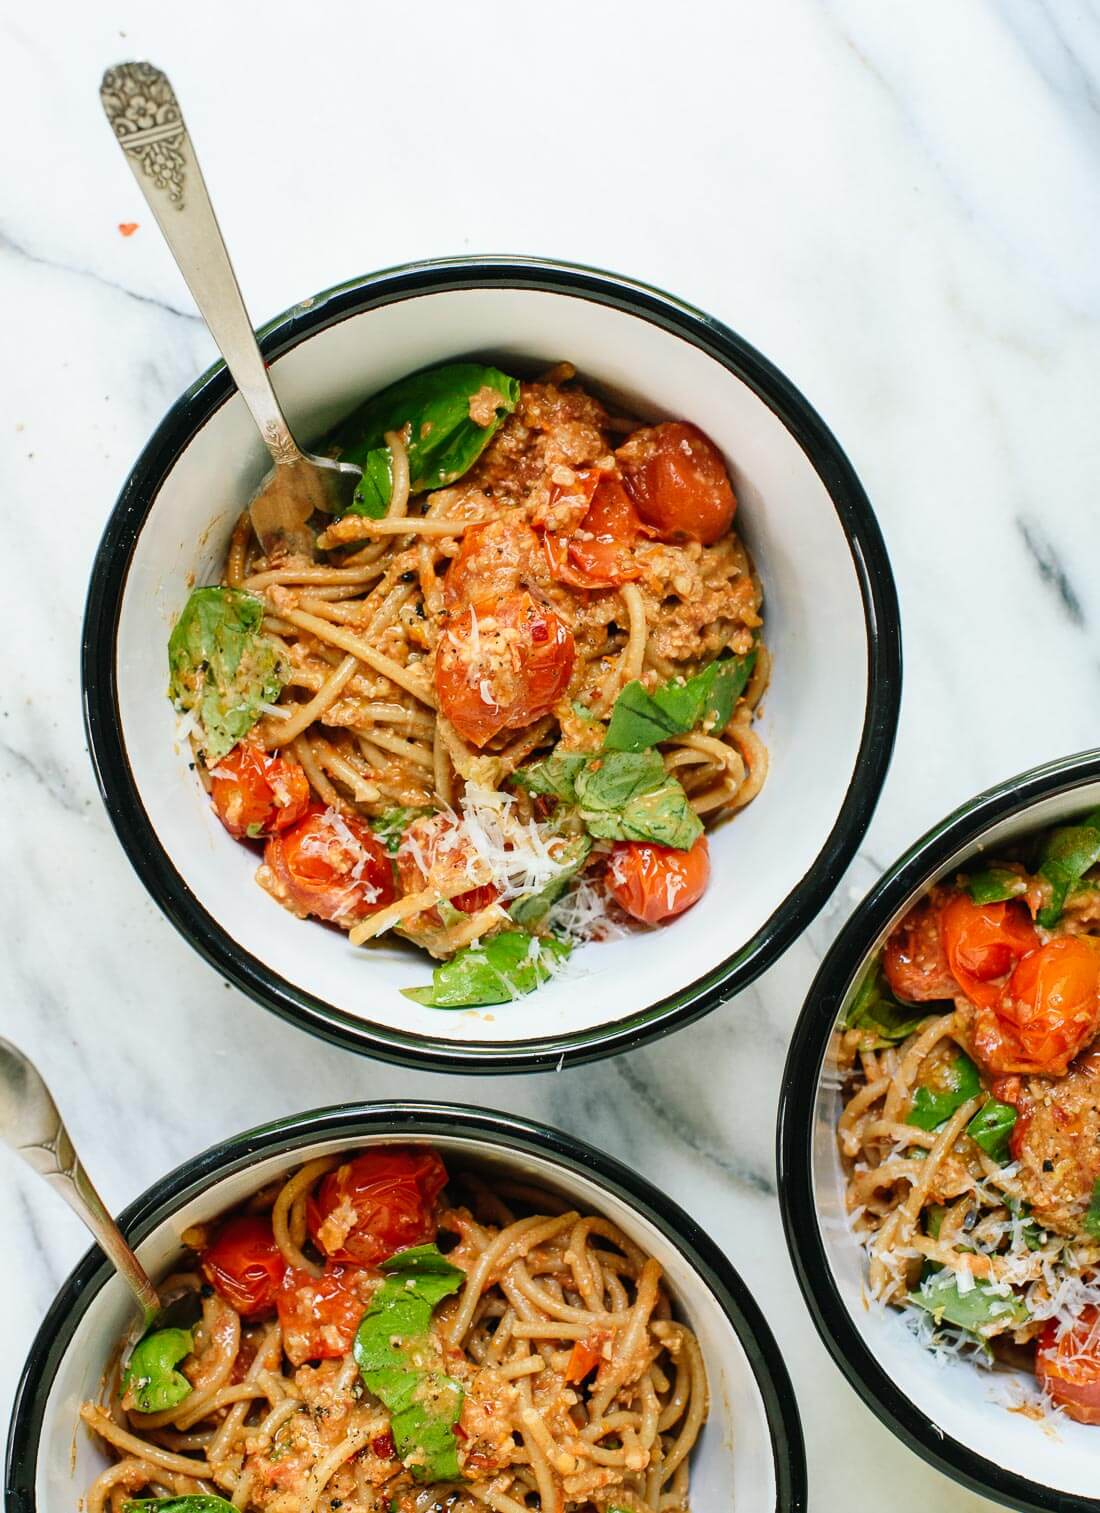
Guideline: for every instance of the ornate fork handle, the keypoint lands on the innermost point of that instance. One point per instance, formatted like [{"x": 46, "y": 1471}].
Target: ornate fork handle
[
  {"x": 32, "y": 1126},
  {"x": 145, "y": 116}
]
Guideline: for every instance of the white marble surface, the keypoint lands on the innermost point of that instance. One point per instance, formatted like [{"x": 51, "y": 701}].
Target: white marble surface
[{"x": 900, "y": 206}]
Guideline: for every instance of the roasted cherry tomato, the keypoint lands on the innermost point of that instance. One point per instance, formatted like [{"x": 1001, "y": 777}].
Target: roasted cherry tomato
[
  {"x": 655, "y": 882},
  {"x": 983, "y": 942},
  {"x": 320, "y": 1315},
  {"x": 500, "y": 665},
  {"x": 244, "y": 1265},
  {"x": 914, "y": 959},
  {"x": 678, "y": 481},
  {"x": 436, "y": 842},
  {"x": 1069, "y": 1368},
  {"x": 495, "y": 559},
  {"x": 330, "y": 865},
  {"x": 376, "y": 1204},
  {"x": 1047, "y": 1012},
  {"x": 257, "y": 794},
  {"x": 597, "y": 553}
]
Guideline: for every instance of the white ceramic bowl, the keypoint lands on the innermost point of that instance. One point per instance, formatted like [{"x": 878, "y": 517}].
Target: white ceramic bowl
[
  {"x": 750, "y": 1455},
  {"x": 831, "y": 625},
  {"x": 953, "y": 1414}
]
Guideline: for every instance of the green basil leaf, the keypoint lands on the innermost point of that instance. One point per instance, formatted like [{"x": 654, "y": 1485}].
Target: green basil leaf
[
  {"x": 1033, "y": 1235},
  {"x": 1068, "y": 854},
  {"x": 641, "y": 719},
  {"x": 1091, "y": 1222},
  {"x": 555, "y": 776},
  {"x": 221, "y": 666},
  {"x": 193, "y": 1502},
  {"x": 934, "y": 1216},
  {"x": 978, "y": 1309},
  {"x": 402, "y": 1365},
  {"x": 628, "y": 796},
  {"x": 993, "y": 885},
  {"x": 530, "y": 908},
  {"x": 498, "y": 969},
  {"x": 876, "y": 1012},
  {"x": 150, "y": 1377},
  {"x": 991, "y": 1127},
  {"x": 932, "y": 1106},
  {"x": 444, "y": 440},
  {"x": 391, "y": 826}
]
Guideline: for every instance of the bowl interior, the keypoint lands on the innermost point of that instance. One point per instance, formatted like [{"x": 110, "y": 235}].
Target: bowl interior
[
  {"x": 815, "y": 627},
  {"x": 961, "y": 1401},
  {"x": 734, "y": 1454}
]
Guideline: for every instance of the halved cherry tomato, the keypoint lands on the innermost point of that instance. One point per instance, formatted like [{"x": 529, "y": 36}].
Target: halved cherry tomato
[
  {"x": 1069, "y": 1368},
  {"x": 1046, "y": 1013},
  {"x": 436, "y": 841},
  {"x": 244, "y": 1265},
  {"x": 257, "y": 794},
  {"x": 983, "y": 942},
  {"x": 914, "y": 961},
  {"x": 320, "y": 1315},
  {"x": 678, "y": 481},
  {"x": 597, "y": 553},
  {"x": 655, "y": 882},
  {"x": 376, "y": 1204},
  {"x": 330, "y": 865},
  {"x": 495, "y": 559},
  {"x": 500, "y": 665}
]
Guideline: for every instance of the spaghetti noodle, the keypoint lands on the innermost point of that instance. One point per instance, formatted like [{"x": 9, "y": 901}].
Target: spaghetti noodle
[
  {"x": 577, "y": 596},
  {"x": 972, "y": 1114},
  {"x": 553, "y": 1376}
]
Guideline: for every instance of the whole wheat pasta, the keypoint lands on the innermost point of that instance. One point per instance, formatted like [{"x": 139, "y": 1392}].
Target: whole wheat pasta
[
  {"x": 431, "y": 654},
  {"x": 573, "y": 1413}
]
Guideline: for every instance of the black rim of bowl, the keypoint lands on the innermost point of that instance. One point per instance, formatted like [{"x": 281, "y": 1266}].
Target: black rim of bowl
[
  {"x": 845, "y": 959},
  {"x": 151, "y": 862},
  {"x": 425, "y": 1121}
]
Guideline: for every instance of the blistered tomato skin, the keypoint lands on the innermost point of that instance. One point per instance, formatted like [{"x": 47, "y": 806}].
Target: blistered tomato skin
[
  {"x": 331, "y": 866},
  {"x": 983, "y": 942},
  {"x": 1046, "y": 1013},
  {"x": 1069, "y": 1368},
  {"x": 653, "y": 883},
  {"x": 256, "y": 794},
  {"x": 494, "y": 559},
  {"x": 678, "y": 481},
  {"x": 376, "y": 1204},
  {"x": 500, "y": 665},
  {"x": 599, "y": 552},
  {"x": 244, "y": 1265}
]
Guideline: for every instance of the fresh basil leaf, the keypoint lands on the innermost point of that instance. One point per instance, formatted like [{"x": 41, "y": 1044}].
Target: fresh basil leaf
[
  {"x": 876, "y": 1012},
  {"x": 221, "y": 666},
  {"x": 977, "y": 1309},
  {"x": 402, "y": 1365},
  {"x": 583, "y": 712},
  {"x": 391, "y": 826},
  {"x": 1091, "y": 1222},
  {"x": 150, "y": 1379},
  {"x": 932, "y": 1106},
  {"x": 555, "y": 776},
  {"x": 529, "y": 908},
  {"x": 641, "y": 719},
  {"x": 991, "y": 1127},
  {"x": 1067, "y": 855},
  {"x": 628, "y": 796},
  {"x": 497, "y": 969},
  {"x": 193, "y": 1502},
  {"x": 993, "y": 885},
  {"x": 444, "y": 438}
]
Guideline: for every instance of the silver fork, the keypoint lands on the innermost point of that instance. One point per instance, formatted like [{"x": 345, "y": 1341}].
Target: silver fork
[{"x": 146, "y": 119}]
